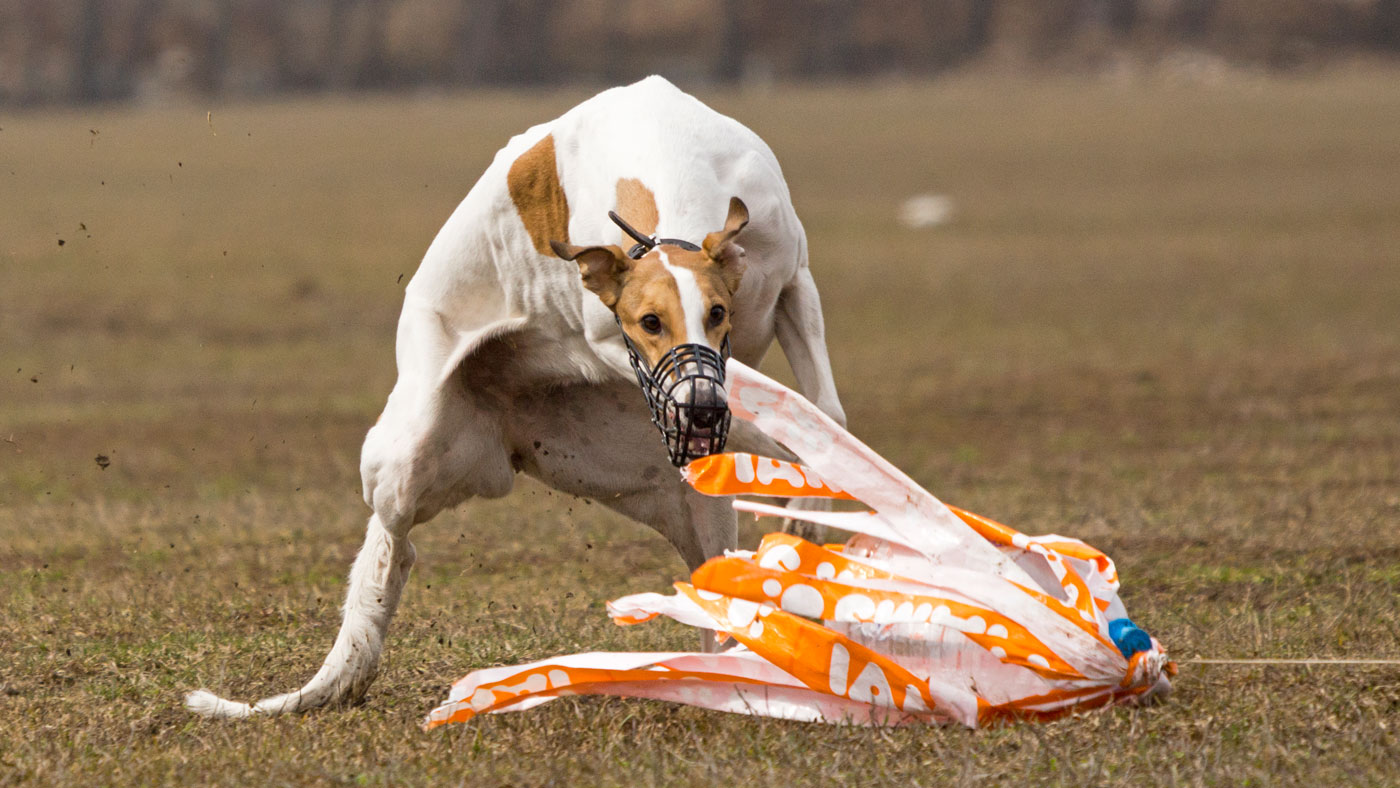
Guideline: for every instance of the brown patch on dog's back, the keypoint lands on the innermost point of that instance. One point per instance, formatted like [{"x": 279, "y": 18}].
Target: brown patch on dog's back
[
  {"x": 637, "y": 205},
  {"x": 538, "y": 195}
]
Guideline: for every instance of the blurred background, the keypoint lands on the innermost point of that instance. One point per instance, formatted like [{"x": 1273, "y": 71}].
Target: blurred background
[{"x": 104, "y": 50}]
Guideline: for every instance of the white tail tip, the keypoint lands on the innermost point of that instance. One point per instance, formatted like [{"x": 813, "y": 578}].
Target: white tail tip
[{"x": 207, "y": 704}]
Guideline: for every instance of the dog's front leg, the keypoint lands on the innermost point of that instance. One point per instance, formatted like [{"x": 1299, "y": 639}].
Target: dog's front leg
[
  {"x": 425, "y": 454},
  {"x": 802, "y": 336}
]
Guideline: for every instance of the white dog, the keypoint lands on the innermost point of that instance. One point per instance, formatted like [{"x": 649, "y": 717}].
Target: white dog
[{"x": 510, "y": 359}]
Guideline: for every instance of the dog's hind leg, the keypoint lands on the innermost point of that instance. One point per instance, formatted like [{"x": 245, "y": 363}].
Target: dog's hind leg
[{"x": 432, "y": 448}]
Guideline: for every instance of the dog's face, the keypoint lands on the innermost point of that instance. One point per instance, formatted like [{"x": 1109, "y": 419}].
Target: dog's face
[{"x": 671, "y": 297}]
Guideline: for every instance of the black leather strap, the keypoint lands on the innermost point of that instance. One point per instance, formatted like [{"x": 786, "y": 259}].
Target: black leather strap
[
  {"x": 645, "y": 243},
  {"x": 638, "y": 251}
]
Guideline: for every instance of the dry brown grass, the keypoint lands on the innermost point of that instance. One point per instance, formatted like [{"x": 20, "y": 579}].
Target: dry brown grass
[{"x": 1164, "y": 320}]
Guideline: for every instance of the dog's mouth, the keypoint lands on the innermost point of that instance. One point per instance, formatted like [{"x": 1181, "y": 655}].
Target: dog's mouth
[
  {"x": 702, "y": 443},
  {"x": 686, "y": 395},
  {"x": 693, "y": 431}
]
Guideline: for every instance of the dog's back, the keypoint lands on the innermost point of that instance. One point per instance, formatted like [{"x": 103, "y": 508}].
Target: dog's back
[{"x": 642, "y": 149}]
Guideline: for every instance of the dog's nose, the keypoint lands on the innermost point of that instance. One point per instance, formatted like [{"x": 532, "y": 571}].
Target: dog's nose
[
  {"x": 705, "y": 418},
  {"x": 707, "y": 407}
]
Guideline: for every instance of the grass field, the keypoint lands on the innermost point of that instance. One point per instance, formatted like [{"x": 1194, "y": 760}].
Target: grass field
[{"x": 1165, "y": 319}]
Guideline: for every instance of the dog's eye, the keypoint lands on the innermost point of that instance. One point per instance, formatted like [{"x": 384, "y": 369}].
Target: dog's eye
[
  {"x": 716, "y": 315},
  {"x": 650, "y": 324}
]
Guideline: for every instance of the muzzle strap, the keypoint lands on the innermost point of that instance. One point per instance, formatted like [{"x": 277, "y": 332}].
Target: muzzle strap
[{"x": 645, "y": 243}]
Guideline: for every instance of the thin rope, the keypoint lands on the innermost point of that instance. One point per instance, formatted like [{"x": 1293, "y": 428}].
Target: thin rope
[{"x": 1289, "y": 661}]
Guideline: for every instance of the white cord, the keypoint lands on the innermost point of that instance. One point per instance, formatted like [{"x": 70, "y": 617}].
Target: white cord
[{"x": 1289, "y": 661}]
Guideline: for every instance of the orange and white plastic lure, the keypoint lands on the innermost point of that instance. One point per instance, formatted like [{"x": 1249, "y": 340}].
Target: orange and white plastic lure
[{"x": 929, "y": 614}]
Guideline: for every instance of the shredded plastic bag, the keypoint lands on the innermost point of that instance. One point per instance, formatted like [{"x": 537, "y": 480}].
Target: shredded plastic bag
[{"x": 928, "y": 614}]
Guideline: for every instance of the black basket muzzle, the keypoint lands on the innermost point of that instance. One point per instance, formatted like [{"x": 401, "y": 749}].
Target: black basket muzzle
[
  {"x": 686, "y": 395},
  {"x": 685, "y": 390}
]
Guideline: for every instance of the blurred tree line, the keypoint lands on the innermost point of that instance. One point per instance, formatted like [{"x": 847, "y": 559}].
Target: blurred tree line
[{"x": 97, "y": 50}]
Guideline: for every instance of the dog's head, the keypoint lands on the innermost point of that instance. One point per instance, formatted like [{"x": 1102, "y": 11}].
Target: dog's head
[{"x": 673, "y": 301}]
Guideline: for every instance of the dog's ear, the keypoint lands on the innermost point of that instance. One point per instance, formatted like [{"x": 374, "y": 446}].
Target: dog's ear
[
  {"x": 720, "y": 246},
  {"x": 602, "y": 268}
]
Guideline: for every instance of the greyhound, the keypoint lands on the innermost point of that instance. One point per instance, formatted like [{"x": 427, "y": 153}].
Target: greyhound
[{"x": 511, "y": 360}]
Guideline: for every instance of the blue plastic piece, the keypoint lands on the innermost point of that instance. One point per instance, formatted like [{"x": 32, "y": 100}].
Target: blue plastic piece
[{"x": 1128, "y": 638}]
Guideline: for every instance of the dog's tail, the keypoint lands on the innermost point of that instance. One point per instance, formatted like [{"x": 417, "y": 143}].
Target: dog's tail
[{"x": 207, "y": 704}]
